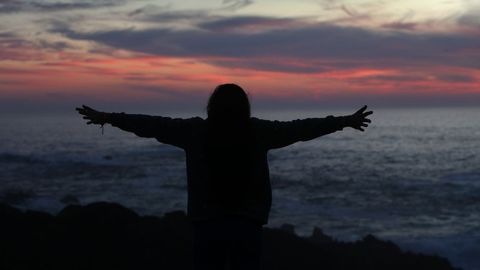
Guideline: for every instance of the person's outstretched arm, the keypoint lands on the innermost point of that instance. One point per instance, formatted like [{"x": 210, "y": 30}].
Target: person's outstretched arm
[
  {"x": 279, "y": 134},
  {"x": 174, "y": 131}
]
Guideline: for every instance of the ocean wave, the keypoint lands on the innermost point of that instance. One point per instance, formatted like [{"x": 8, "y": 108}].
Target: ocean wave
[{"x": 18, "y": 158}]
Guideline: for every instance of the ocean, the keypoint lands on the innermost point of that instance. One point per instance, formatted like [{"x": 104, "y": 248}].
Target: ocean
[{"x": 413, "y": 177}]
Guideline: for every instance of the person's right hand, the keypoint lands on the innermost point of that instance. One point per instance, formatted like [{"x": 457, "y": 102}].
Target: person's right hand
[
  {"x": 94, "y": 116},
  {"x": 359, "y": 119}
]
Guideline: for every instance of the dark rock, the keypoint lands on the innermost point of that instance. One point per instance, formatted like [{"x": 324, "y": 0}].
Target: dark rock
[
  {"x": 69, "y": 199},
  {"x": 319, "y": 237},
  {"x": 99, "y": 213},
  {"x": 110, "y": 236},
  {"x": 288, "y": 228},
  {"x": 7, "y": 212}
]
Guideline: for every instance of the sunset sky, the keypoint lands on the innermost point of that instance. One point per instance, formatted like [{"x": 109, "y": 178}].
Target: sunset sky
[{"x": 293, "y": 54}]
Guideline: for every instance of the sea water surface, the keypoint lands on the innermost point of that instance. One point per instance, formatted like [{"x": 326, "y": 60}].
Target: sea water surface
[{"x": 413, "y": 177}]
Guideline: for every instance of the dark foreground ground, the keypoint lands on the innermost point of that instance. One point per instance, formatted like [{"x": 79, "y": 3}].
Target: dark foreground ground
[{"x": 110, "y": 236}]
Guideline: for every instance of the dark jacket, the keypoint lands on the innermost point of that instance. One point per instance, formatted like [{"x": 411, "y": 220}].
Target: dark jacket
[{"x": 190, "y": 135}]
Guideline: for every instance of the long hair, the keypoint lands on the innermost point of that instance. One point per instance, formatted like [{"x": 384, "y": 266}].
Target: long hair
[
  {"x": 228, "y": 103},
  {"x": 228, "y": 147}
]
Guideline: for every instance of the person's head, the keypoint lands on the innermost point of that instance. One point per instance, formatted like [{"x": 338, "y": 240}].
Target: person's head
[{"x": 228, "y": 102}]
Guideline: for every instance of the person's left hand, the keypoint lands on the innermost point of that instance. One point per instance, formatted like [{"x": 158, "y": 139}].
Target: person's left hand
[
  {"x": 359, "y": 119},
  {"x": 94, "y": 116}
]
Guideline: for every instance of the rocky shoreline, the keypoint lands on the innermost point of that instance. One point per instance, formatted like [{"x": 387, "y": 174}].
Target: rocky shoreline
[{"x": 107, "y": 235}]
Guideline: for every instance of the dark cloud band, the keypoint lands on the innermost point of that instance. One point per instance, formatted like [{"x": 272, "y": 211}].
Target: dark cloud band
[
  {"x": 13, "y": 6},
  {"x": 310, "y": 43}
]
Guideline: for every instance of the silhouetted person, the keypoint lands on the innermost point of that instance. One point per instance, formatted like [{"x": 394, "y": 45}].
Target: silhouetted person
[{"x": 229, "y": 193}]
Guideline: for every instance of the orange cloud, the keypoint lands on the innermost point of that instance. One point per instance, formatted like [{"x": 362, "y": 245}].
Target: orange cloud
[{"x": 141, "y": 78}]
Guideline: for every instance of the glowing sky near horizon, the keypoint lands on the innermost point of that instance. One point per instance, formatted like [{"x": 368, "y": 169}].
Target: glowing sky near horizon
[{"x": 296, "y": 51}]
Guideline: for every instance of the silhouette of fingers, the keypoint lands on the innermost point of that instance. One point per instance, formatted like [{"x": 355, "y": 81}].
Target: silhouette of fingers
[
  {"x": 82, "y": 111},
  {"x": 86, "y": 108},
  {"x": 361, "y": 110},
  {"x": 359, "y": 120},
  {"x": 88, "y": 114}
]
